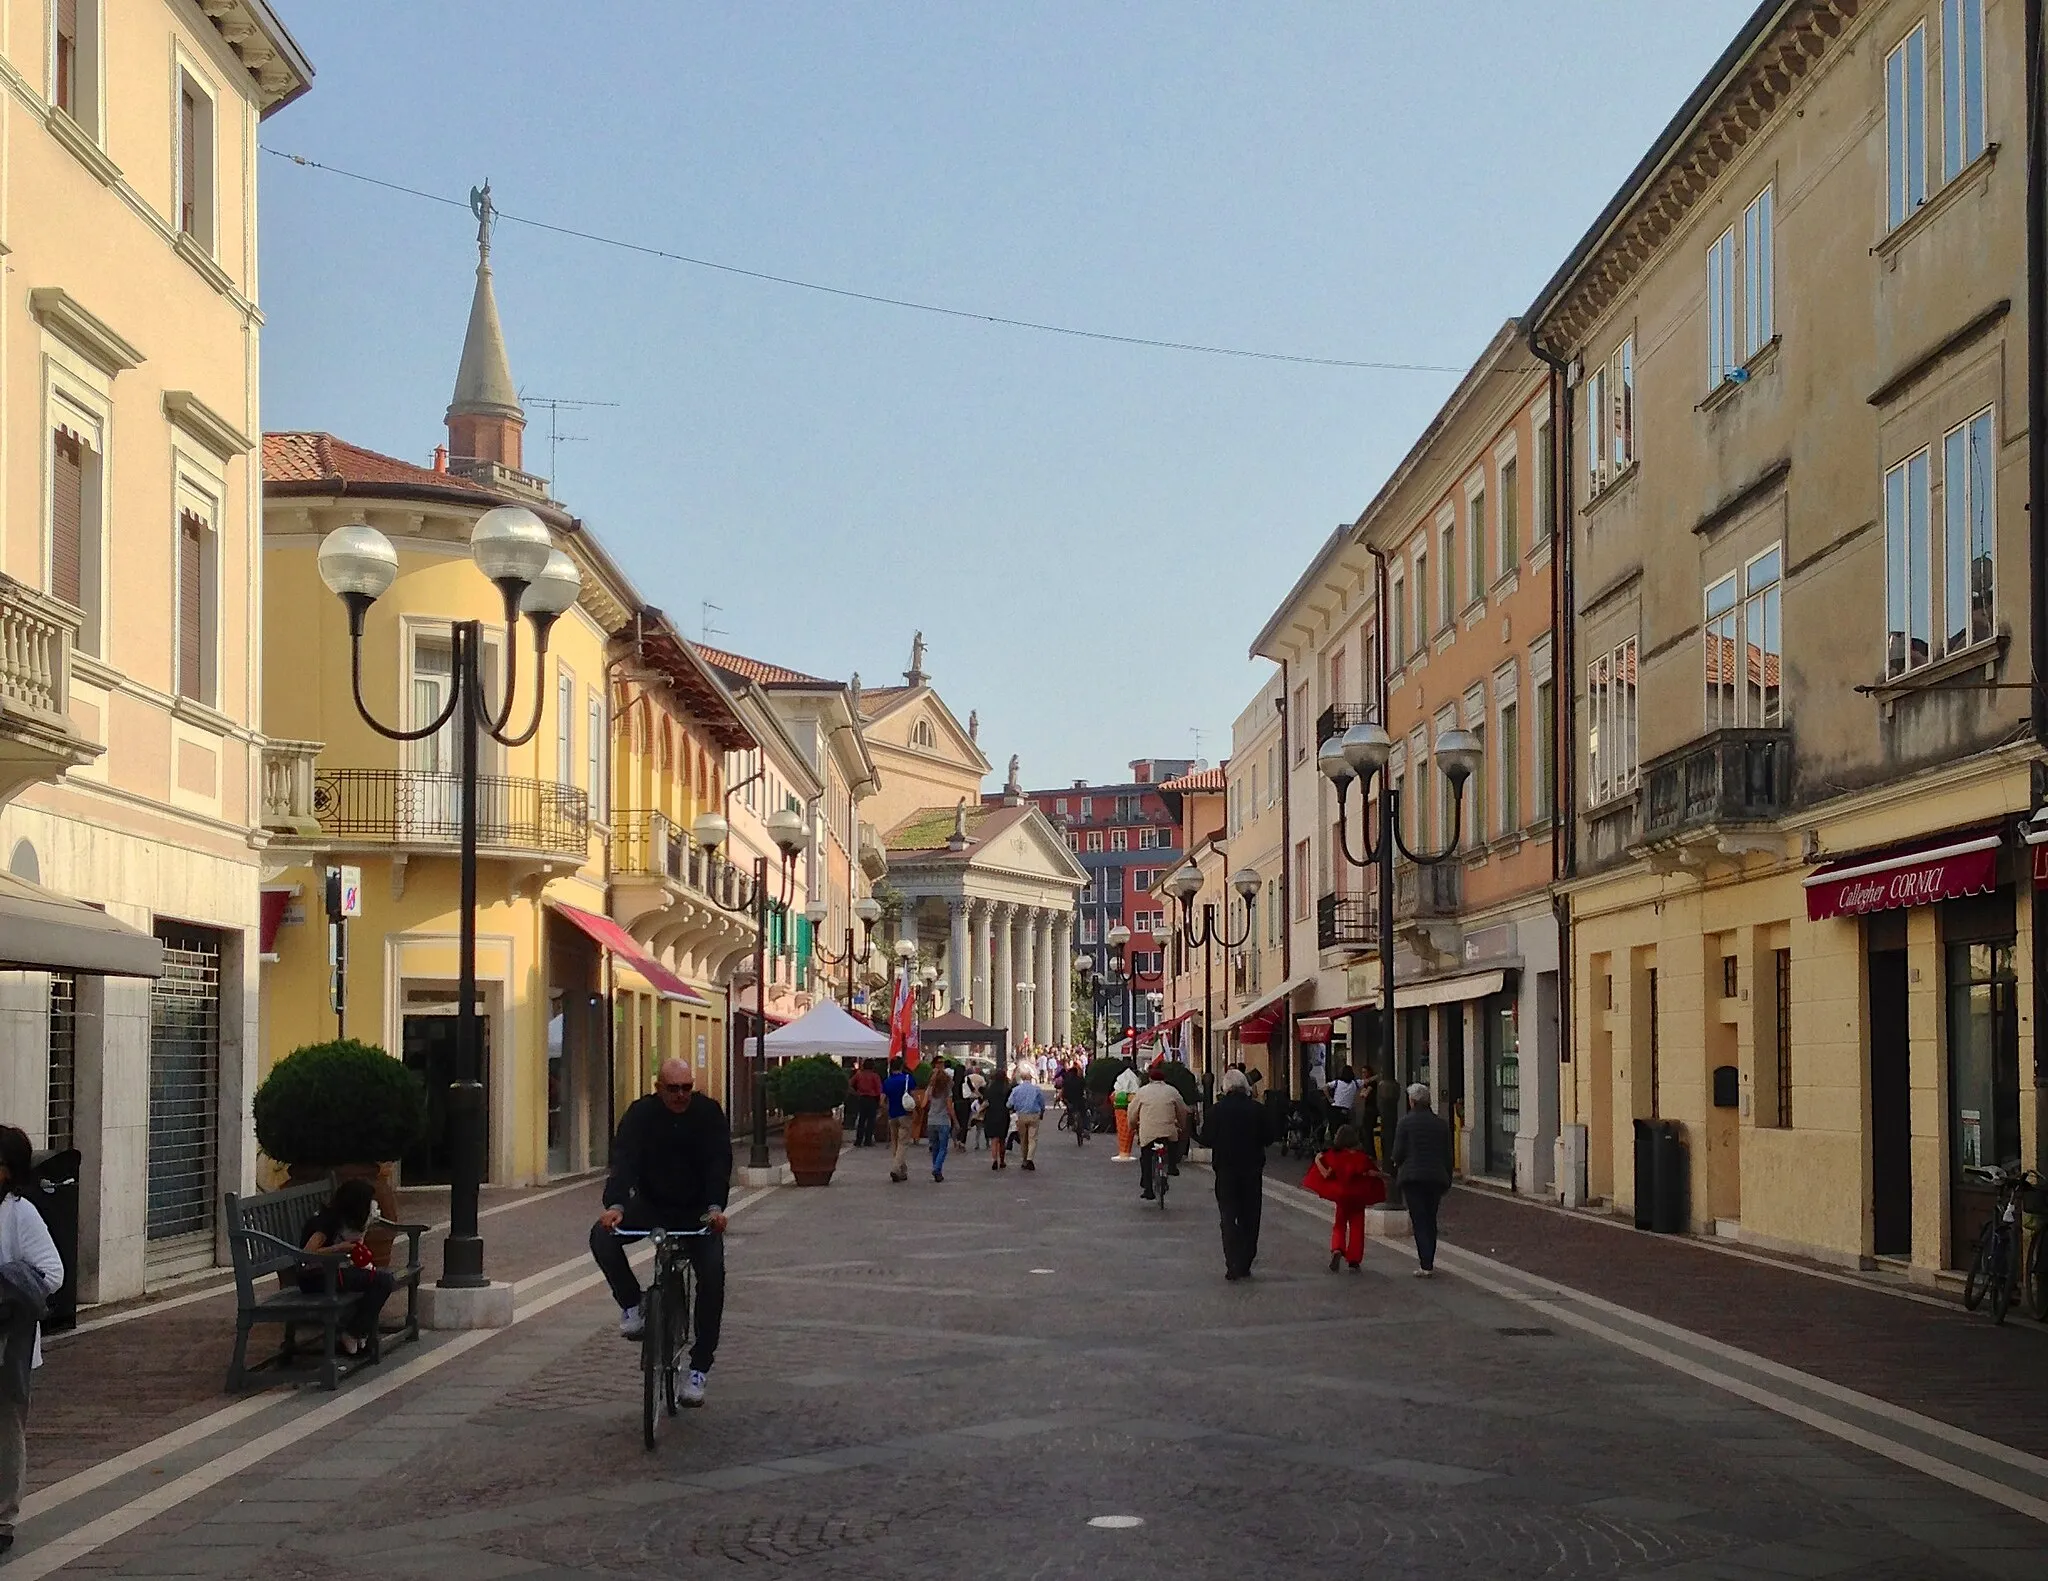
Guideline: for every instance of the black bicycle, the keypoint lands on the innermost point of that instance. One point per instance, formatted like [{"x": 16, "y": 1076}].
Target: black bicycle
[
  {"x": 667, "y": 1312},
  {"x": 1996, "y": 1271},
  {"x": 1162, "y": 1168},
  {"x": 1074, "y": 1117}
]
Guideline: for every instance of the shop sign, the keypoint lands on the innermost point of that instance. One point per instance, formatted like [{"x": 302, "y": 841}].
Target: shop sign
[
  {"x": 1856, "y": 888},
  {"x": 1313, "y": 1029},
  {"x": 2040, "y": 865}
]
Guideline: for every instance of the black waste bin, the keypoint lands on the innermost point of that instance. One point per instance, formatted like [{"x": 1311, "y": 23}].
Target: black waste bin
[
  {"x": 1646, "y": 1172},
  {"x": 55, "y": 1195},
  {"x": 1672, "y": 1199}
]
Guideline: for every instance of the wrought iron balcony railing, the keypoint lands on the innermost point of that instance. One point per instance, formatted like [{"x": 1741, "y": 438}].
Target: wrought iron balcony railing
[
  {"x": 288, "y": 790},
  {"x": 1346, "y": 922},
  {"x": 408, "y": 807},
  {"x": 1726, "y": 777},
  {"x": 649, "y": 844},
  {"x": 1336, "y": 719}
]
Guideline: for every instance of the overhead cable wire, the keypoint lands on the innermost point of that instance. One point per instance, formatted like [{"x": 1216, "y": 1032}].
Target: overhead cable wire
[{"x": 869, "y": 296}]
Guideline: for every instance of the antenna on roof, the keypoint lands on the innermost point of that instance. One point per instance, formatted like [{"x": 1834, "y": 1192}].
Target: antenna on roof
[
  {"x": 1196, "y": 732},
  {"x": 705, "y": 630},
  {"x": 556, "y": 405}
]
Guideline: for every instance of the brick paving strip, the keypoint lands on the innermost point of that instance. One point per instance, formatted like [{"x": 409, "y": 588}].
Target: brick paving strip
[{"x": 922, "y": 1380}]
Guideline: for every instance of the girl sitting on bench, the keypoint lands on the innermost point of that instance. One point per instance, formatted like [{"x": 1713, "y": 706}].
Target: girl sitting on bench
[{"x": 338, "y": 1226}]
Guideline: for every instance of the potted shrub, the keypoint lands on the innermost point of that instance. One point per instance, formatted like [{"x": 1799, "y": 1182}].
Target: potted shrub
[
  {"x": 345, "y": 1109},
  {"x": 806, "y": 1091}
]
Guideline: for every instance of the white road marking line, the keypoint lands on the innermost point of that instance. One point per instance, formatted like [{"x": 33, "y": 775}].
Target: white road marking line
[
  {"x": 29, "y": 1563},
  {"x": 1903, "y": 1454}
]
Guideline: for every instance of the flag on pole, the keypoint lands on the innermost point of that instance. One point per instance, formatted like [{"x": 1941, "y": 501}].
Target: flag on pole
[{"x": 903, "y": 1023}]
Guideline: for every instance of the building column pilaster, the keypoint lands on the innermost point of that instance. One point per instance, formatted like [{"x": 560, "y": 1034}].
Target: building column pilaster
[
  {"x": 1063, "y": 978},
  {"x": 957, "y": 968},
  {"x": 983, "y": 968},
  {"x": 1041, "y": 1002},
  {"x": 1003, "y": 991}
]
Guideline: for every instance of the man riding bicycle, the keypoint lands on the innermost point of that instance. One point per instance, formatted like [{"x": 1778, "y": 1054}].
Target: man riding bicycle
[
  {"x": 1157, "y": 1115},
  {"x": 1074, "y": 1092},
  {"x": 671, "y": 1170}
]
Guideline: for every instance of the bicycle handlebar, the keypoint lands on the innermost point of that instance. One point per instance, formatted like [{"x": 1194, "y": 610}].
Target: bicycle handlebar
[{"x": 642, "y": 1235}]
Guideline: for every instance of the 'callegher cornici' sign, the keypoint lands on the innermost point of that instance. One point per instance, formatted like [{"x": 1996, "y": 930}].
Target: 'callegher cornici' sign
[{"x": 1913, "y": 880}]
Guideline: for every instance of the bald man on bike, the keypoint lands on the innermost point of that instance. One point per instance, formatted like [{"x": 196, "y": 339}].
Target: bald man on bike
[{"x": 671, "y": 1170}]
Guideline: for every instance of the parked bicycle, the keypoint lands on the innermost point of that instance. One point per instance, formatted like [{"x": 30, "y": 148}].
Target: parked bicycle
[
  {"x": 1997, "y": 1271},
  {"x": 668, "y": 1312}
]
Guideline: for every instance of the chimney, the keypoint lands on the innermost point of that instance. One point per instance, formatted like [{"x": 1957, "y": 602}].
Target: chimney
[{"x": 440, "y": 458}]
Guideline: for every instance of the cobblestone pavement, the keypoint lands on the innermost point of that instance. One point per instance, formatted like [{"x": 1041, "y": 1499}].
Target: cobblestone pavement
[
  {"x": 1929, "y": 1355},
  {"x": 948, "y": 1379}
]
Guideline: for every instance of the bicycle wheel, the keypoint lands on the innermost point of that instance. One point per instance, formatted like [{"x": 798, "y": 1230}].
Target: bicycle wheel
[
  {"x": 2002, "y": 1279},
  {"x": 1159, "y": 1174},
  {"x": 654, "y": 1316},
  {"x": 1978, "y": 1280},
  {"x": 685, "y": 1322},
  {"x": 672, "y": 1320}
]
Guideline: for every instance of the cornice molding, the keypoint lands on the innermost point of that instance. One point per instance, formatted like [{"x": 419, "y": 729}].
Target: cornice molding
[
  {"x": 1749, "y": 98},
  {"x": 186, "y": 411},
  {"x": 79, "y": 141},
  {"x": 64, "y": 316}
]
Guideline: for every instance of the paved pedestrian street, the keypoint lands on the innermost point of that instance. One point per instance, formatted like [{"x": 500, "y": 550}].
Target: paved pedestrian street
[{"x": 1036, "y": 1374}]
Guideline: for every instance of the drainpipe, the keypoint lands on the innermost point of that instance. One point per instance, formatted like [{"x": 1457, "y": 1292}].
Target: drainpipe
[
  {"x": 2037, "y": 492},
  {"x": 1564, "y": 829},
  {"x": 1286, "y": 1026}
]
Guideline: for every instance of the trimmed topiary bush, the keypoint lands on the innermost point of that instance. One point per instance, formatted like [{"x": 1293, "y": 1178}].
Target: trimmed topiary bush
[
  {"x": 1101, "y": 1075},
  {"x": 1183, "y": 1081},
  {"x": 339, "y": 1103},
  {"x": 815, "y": 1084}
]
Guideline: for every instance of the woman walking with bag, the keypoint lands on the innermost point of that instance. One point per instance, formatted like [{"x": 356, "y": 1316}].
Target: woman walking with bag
[
  {"x": 30, "y": 1273},
  {"x": 938, "y": 1117}
]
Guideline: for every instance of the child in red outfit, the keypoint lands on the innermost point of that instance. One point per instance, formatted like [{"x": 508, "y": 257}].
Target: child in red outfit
[{"x": 1346, "y": 1177}]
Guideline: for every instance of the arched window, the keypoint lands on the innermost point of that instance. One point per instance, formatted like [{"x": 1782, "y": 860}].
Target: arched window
[{"x": 921, "y": 735}]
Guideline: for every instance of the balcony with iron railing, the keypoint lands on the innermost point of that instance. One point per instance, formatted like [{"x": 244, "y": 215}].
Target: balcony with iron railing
[
  {"x": 410, "y": 809},
  {"x": 1347, "y": 922},
  {"x": 649, "y": 844},
  {"x": 38, "y": 742},
  {"x": 1336, "y": 719}
]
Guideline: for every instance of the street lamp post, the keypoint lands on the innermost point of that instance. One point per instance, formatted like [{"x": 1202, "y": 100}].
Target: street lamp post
[
  {"x": 867, "y": 911},
  {"x": 786, "y": 829},
  {"x": 1361, "y": 753},
  {"x": 1208, "y": 936},
  {"x": 512, "y": 547}
]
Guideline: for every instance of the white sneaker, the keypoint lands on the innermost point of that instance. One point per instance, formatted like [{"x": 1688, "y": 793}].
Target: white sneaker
[
  {"x": 631, "y": 1324},
  {"x": 693, "y": 1388}
]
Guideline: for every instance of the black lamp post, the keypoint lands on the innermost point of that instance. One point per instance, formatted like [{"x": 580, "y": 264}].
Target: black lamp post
[
  {"x": 1363, "y": 752},
  {"x": 730, "y": 892},
  {"x": 867, "y": 911},
  {"x": 512, "y": 547},
  {"x": 1208, "y": 936}
]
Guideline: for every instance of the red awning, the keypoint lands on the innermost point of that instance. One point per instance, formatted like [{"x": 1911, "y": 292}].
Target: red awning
[
  {"x": 1260, "y": 1026},
  {"x": 1918, "y": 876},
  {"x": 629, "y": 950},
  {"x": 1159, "y": 1029},
  {"x": 276, "y": 902}
]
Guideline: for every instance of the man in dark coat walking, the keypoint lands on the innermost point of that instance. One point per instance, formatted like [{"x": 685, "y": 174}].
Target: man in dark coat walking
[
  {"x": 1422, "y": 1169},
  {"x": 1236, "y": 1131}
]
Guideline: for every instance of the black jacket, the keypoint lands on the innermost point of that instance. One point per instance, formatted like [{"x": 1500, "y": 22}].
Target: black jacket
[
  {"x": 1422, "y": 1149},
  {"x": 677, "y": 1167},
  {"x": 1236, "y": 1134}
]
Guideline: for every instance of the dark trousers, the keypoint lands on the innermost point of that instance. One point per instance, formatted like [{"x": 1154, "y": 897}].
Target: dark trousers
[
  {"x": 373, "y": 1284},
  {"x": 1423, "y": 1201},
  {"x": 864, "y": 1112},
  {"x": 1240, "y": 1197},
  {"x": 707, "y": 1261},
  {"x": 1145, "y": 1166}
]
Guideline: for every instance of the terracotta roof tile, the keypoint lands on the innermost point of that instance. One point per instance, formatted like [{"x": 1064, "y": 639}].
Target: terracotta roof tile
[
  {"x": 1201, "y": 780},
  {"x": 875, "y": 700},
  {"x": 759, "y": 671},
  {"x": 311, "y": 463}
]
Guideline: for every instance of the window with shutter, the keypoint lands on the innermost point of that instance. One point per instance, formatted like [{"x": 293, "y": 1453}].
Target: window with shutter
[
  {"x": 66, "y": 64},
  {"x": 67, "y": 517},
  {"x": 188, "y": 162},
  {"x": 192, "y": 635}
]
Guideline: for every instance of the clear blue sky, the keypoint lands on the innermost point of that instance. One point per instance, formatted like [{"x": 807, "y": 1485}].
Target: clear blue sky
[{"x": 1089, "y": 535}]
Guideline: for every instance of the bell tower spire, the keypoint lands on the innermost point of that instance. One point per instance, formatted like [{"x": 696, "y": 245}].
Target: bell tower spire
[{"x": 485, "y": 419}]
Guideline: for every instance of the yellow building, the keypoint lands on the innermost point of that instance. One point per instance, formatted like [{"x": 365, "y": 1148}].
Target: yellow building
[
  {"x": 923, "y": 756},
  {"x": 593, "y": 908},
  {"x": 1798, "y": 752},
  {"x": 130, "y": 699}
]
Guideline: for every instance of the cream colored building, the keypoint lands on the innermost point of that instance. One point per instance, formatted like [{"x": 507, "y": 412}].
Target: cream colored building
[
  {"x": 130, "y": 693},
  {"x": 1802, "y": 917},
  {"x": 1253, "y": 1018},
  {"x": 923, "y": 755}
]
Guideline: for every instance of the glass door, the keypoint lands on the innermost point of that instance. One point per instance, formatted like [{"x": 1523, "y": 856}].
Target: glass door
[
  {"x": 1502, "y": 1018},
  {"x": 1983, "y": 1080},
  {"x": 429, "y": 805}
]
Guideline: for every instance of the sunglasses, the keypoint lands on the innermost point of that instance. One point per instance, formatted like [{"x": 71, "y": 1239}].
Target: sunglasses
[{"x": 670, "y": 1086}]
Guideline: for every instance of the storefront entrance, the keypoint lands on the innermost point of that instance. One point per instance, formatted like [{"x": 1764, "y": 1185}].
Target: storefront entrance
[
  {"x": 429, "y": 1049},
  {"x": 1500, "y": 1025},
  {"x": 1981, "y": 990}
]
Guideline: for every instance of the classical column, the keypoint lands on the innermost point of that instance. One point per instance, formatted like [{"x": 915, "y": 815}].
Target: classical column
[
  {"x": 957, "y": 968},
  {"x": 1063, "y": 978},
  {"x": 1041, "y": 1003},
  {"x": 983, "y": 966},
  {"x": 1003, "y": 986}
]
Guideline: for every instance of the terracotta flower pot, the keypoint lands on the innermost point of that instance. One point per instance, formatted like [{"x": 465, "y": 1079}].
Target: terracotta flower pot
[{"x": 812, "y": 1142}]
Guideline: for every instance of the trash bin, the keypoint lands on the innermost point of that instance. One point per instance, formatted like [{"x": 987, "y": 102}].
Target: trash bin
[
  {"x": 1671, "y": 1213},
  {"x": 1646, "y": 1172},
  {"x": 56, "y": 1197}
]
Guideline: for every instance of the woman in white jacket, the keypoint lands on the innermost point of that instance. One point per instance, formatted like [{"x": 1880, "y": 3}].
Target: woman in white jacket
[{"x": 24, "y": 1239}]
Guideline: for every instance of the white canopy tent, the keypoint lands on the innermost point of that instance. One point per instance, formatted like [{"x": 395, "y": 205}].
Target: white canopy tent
[{"x": 826, "y": 1029}]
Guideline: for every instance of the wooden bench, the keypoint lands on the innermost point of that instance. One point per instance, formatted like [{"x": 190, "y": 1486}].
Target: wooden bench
[{"x": 263, "y": 1241}]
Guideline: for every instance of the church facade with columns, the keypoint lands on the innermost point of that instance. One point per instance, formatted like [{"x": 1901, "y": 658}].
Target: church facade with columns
[{"x": 989, "y": 894}]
